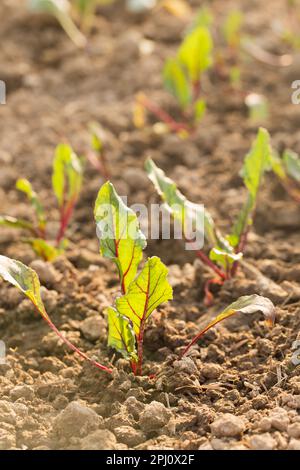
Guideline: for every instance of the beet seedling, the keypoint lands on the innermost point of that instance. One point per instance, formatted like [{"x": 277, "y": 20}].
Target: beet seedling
[
  {"x": 225, "y": 252},
  {"x": 66, "y": 181},
  {"x": 287, "y": 169},
  {"x": 122, "y": 241},
  {"x": 182, "y": 77},
  {"x": 97, "y": 155},
  {"x": 246, "y": 304},
  {"x": 62, "y": 11},
  {"x": 121, "y": 331},
  {"x": 70, "y": 14}
]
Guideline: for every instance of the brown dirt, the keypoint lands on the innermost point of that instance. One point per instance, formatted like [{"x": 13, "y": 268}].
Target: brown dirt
[{"x": 241, "y": 368}]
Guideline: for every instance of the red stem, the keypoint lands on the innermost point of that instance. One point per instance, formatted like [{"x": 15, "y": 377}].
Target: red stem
[
  {"x": 196, "y": 90},
  {"x": 209, "y": 263},
  {"x": 99, "y": 163},
  {"x": 208, "y": 299},
  {"x": 66, "y": 214},
  {"x": 194, "y": 340},
  {"x": 140, "y": 339},
  {"x": 77, "y": 351},
  {"x": 164, "y": 116},
  {"x": 140, "y": 342},
  {"x": 70, "y": 345},
  {"x": 240, "y": 249}
]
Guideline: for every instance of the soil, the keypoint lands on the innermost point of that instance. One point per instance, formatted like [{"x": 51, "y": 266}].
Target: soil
[{"x": 238, "y": 388}]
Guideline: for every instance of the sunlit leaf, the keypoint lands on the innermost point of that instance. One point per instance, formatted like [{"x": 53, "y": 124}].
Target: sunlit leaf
[
  {"x": 204, "y": 17},
  {"x": 67, "y": 175},
  {"x": 176, "y": 82},
  {"x": 150, "y": 289},
  {"x": 291, "y": 162},
  {"x": 232, "y": 28},
  {"x": 12, "y": 222},
  {"x": 121, "y": 336},
  {"x": 256, "y": 162},
  {"x": 25, "y": 186},
  {"x": 97, "y": 137},
  {"x": 246, "y": 304},
  {"x": 195, "y": 53},
  {"x": 120, "y": 236},
  {"x": 43, "y": 249},
  {"x": 199, "y": 109},
  {"x": 182, "y": 209},
  {"x": 224, "y": 258},
  {"x": 278, "y": 166},
  {"x": 27, "y": 281}
]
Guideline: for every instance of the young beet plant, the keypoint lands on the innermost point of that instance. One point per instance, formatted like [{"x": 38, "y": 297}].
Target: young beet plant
[
  {"x": 122, "y": 241},
  {"x": 287, "y": 169},
  {"x": 224, "y": 252},
  {"x": 74, "y": 16},
  {"x": 97, "y": 154},
  {"x": 62, "y": 11},
  {"x": 182, "y": 77},
  {"x": 66, "y": 181},
  {"x": 122, "y": 324}
]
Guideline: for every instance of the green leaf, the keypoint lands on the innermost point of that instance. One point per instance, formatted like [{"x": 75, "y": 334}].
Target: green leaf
[
  {"x": 199, "y": 110},
  {"x": 223, "y": 258},
  {"x": 278, "y": 166},
  {"x": 12, "y": 222},
  {"x": 176, "y": 82},
  {"x": 120, "y": 236},
  {"x": 27, "y": 281},
  {"x": 150, "y": 289},
  {"x": 180, "y": 208},
  {"x": 97, "y": 137},
  {"x": 195, "y": 52},
  {"x": 291, "y": 162},
  {"x": 246, "y": 304},
  {"x": 43, "y": 249},
  {"x": 257, "y": 161},
  {"x": 121, "y": 336},
  {"x": 24, "y": 186},
  {"x": 67, "y": 175},
  {"x": 204, "y": 17},
  {"x": 232, "y": 28}
]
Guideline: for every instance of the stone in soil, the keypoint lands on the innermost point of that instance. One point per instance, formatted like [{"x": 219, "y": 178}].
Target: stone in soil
[
  {"x": 154, "y": 417},
  {"x": 76, "y": 420},
  {"x": 262, "y": 442},
  {"x": 228, "y": 425},
  {"x": 102, "y": 439}
]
